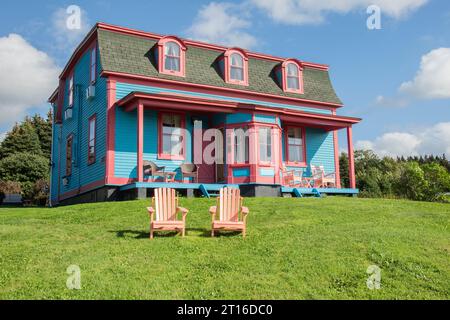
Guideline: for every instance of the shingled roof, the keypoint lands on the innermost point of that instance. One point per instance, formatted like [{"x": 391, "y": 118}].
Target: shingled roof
[{"x": 132, "y": 54}]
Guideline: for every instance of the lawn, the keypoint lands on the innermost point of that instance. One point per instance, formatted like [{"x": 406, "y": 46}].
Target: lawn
[{"x": 295, "y": 249}]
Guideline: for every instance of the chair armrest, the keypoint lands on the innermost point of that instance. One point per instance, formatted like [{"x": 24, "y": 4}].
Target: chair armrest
[
  {"x": 245, "y": 211},
  {"x": 151, "y": 212},
  {"x": 183, "y": 211},
  {"x": 213, "y": 209},
  {"x": 330, "y": 175}
]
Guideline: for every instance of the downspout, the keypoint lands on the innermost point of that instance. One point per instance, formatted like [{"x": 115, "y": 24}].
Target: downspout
[
  {"x": 79, "y": 132},
  {"x": 52, "y": 164}
]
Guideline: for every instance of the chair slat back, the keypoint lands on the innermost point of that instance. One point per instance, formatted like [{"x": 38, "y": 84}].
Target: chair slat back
[
  {"x": 317, "y": 171},
  {"x": 165, "y": 202},
  {"x": 229, "y": 204}
]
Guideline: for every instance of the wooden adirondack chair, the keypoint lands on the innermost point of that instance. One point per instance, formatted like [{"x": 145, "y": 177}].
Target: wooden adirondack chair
[
  {"x": 164, "y": 210},
  {"x": 232, "y": 215},
  {"x": 291, "y": 178},
  {"x": 322, "y": 179}
]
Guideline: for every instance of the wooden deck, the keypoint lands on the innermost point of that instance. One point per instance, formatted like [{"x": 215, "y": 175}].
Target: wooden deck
[{"x": 212, "y": 189}]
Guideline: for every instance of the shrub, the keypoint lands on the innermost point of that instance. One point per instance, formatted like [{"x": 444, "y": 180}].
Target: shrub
[{"x": 438, "y": 179}]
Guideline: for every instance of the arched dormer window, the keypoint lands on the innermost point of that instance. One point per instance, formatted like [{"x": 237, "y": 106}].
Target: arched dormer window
[
  {"x": 236, "y": 67},
  {"x": 292, "y": 76},
  {"x": 171, "y": 56}
]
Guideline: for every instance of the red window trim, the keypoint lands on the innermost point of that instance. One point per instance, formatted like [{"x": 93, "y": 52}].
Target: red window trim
[
  {"x": 161, "y": 56},
  {"x": 284, "y": 76},
  {"x": 227, "y": 66},
  {"x": 286, "y": 147},
  {"x": 91, "y": 160},
  {"x": 161, "y": 154},
  {"x": 71, "y": 91},
  {"x": 69, "y": 168},
  {"x": 93, "y": 80}
]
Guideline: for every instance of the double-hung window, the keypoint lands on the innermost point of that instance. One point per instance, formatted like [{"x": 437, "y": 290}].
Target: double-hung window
[
  {"x": 69, "y": 153},
  {"x": 172, "y": 56},
  {"x": 71, "y": 91},
  {"x": 295, "y": 145},
  {"x": 92, "y": 139},
  {"x": 93, "y": 65},
  {"x": 265, "y": 144},
  {"x": 241, "y": 145},
  {"x": 171, "y": 136}
]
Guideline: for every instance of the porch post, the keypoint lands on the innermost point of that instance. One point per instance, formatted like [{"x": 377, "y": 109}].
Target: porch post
[
  {"x": 336, "y": 159},
  {"x": 351, "y": 160},
  {"x": 140, "y": 141}
]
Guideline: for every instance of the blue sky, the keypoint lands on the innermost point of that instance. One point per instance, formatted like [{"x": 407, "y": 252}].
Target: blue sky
[{"x": 368, "y": 67}]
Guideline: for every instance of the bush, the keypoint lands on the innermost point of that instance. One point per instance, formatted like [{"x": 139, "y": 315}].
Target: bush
[
  {"x": 412, "y": 183},
  {"x": 9, "y": 187},
  {"x": 438, "y": 179}
]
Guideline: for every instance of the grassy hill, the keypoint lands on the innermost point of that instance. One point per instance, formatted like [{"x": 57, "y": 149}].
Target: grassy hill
[{"x": 295, "y": 249}]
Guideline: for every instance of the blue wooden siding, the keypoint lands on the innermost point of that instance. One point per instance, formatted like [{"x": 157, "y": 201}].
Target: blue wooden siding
[
  {"x": 266, "y": 118},
  {"x": 83, "y": 109},
  {"x": 238, "y": 118},
  {"x": 123, "y": 89},
  {"x": 241, "y": 172},
  {"x": 319, "y": 150},
  {"x": 125, "y": 161}
]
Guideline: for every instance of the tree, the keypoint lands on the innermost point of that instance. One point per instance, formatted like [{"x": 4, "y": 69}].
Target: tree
[
  {"x": 438, "y": 179},
  {"x": 43, "y": 129},
  {"x": 412, "y": 183},
  {"x": 22, "y": 138}
]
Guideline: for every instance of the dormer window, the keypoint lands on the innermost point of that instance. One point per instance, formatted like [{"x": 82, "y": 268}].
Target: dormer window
[
  {"x": 292, "y": 78},
  {"x": 236, "y": 67},
  {"x": 171, "y": 56}
]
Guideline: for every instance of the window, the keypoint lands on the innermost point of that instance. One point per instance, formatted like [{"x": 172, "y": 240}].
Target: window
[
  {"x": 92, "y": 139},
  {"x": 171, "y": 136},
  {"x": 171, "y": 56},
  {"x": 295, "y": 145},
  {"x": 69, "y": 147},
  {"x": 241, "y": 145},
  {"x": 93, "y": 65},
  {"x": 292, "y": 77},
  {"x": 265, "y": 144},
  {"x": 71, "y": 91},
  {"x": 236, "y": 68}
]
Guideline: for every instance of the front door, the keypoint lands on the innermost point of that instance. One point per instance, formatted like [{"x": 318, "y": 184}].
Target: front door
[{"x": 206, "y": 172}]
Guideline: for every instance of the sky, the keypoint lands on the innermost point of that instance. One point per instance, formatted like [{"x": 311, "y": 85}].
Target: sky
[{"x": 396, "y": 77}]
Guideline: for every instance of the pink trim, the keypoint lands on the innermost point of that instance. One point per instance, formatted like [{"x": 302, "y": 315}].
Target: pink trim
[
  {"x": 162, "y": 57},
  {"x": 111, "y": 128},
  {"x": 161, "y": 154},
  {"x": 286, "y": 146},
  {"x": 351, "y": 160},
  {"x": 227, "y": 66},
  {"x": 140, "y": 142},
  {"x": 336, "y": 157},
  {"x": 208, "y": 89},
  {"x": 285, "y": 76},
  {"x": 89, "y": 159},
  {"x": 200, "y": 44},
  {"x": 85, "y": 188},
  {"x": 94, "y": 79}
]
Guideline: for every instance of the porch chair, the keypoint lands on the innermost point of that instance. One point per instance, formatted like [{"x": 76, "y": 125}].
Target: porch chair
[
  {"x": 189, "y": 170},
  {"x": 291, "y": 178},
  {"x": 322, "y": 179},
  {"x": 152, "y": 170},
  {"x": 164, "y": 210},
  {"x": 232, "y": 215}
]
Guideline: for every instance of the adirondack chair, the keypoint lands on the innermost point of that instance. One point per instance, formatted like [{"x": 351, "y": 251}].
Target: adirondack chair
[
  {"x": 232, "y": 215},
  {"x": 189, "y": 170},
  {"x": 164, "y": 210},
  {"x": 322, "y": 179},
  {"x": 291, "y": 178}
]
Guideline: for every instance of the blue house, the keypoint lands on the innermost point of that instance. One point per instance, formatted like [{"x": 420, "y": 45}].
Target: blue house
[{"x": 136, "y": 110}]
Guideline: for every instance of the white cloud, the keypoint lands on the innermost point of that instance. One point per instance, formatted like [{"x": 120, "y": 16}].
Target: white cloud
[
  {"x": 66, "y": 39},
  {"x": 27, "y": 78},
  {"x": 298, "y": 12},
  {"x": 395, "y": 102},
  {"x": 432, "y": 81},
  {"x": 434, "y": 140},
  {"x": 223, "y": 23}
]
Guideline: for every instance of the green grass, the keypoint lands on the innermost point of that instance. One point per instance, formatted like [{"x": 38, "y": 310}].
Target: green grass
[{"x": 295, "y": 249}]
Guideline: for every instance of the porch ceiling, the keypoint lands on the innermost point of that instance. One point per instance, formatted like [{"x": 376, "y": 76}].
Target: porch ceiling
[{"x": 189, "y": 103}]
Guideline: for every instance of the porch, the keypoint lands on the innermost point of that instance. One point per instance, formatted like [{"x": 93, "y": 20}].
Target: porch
[{"x": 254, "y": 159}]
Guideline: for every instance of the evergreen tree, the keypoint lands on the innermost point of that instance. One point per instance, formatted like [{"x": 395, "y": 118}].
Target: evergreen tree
[
  {"x": 22, "y": 138},
  {"x": 43, "y": 129}
]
